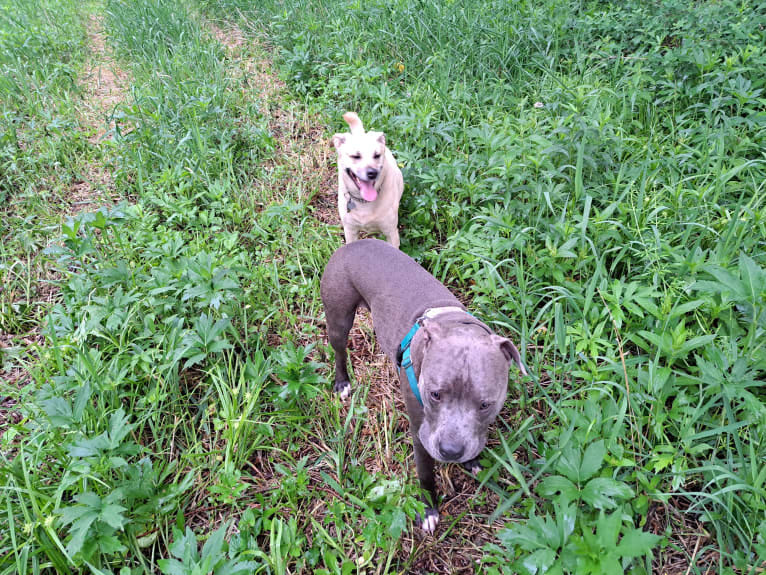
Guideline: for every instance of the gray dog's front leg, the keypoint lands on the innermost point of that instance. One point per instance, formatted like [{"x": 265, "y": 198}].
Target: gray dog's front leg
[
  {"x": 424, "y": 464},
  {"x": 472, "y": 466}
]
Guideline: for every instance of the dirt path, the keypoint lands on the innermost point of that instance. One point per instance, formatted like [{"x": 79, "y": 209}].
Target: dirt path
[
  {"x": 301, "y": 152},
  {"x": 103, "y": 85}
]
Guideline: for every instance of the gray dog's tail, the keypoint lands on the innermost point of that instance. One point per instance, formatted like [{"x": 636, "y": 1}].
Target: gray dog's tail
[{"x": 354, "y": 123}]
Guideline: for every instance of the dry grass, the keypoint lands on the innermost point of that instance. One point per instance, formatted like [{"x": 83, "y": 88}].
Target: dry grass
[{"x": 301, "y": 167}]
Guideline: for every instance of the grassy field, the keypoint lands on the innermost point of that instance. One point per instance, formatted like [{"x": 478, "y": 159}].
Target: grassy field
[{"x": 589, "y": 176}]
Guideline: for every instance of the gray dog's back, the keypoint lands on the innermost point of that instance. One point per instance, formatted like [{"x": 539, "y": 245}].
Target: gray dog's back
[{"x": 373, "y": 272}]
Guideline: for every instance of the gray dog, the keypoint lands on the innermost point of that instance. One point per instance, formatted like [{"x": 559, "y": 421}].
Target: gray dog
[{"x": 454, "y": 369}]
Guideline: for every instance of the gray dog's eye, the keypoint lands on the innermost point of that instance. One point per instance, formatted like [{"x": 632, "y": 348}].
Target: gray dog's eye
[
  {"x": 484, "y": 406},
  {"x": 436, "y": 395}
]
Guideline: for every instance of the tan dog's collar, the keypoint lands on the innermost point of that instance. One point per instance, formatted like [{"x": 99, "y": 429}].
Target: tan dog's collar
[{"x": 351, "y": 200}]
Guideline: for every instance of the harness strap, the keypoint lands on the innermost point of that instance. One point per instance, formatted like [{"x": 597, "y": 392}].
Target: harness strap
[{"x": 403, "y": 359}]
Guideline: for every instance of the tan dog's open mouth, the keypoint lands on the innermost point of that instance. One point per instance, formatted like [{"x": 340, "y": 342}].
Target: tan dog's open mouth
[{"x": 367, "y": 189}]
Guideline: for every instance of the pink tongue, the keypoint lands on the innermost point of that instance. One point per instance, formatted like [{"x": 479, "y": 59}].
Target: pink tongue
[{"x": 368, "y": 191}]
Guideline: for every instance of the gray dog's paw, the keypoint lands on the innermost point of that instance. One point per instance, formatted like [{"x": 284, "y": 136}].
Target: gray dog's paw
[
  {"x": 473, "y": 466},
  {"x": 342, "y": 388},
  {"x": 430, "y": 521}
]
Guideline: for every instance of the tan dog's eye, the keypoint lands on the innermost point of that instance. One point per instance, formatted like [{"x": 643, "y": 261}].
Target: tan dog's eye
[
  {"x": 377, "y": 156},
  {"x": 356, "y": 157}
]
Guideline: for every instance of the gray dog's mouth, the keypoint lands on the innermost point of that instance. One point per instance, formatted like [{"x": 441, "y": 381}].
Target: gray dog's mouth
[
  {"x": 367, "y": 189},
  {"x": 433, "y": 446}
]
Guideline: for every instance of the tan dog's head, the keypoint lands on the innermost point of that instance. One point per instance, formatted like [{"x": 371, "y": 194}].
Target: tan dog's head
[{"x": 360, "y": 156}]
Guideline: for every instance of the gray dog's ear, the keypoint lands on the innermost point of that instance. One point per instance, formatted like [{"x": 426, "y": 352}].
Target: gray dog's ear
[
  {"x": 338, "y": 140},
  {"x": 431, "y": 331},
  {"x": 510, "y": 351}
]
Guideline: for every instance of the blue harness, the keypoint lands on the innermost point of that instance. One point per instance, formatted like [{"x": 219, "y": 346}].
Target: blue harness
[{"x": 403, "y": 360}]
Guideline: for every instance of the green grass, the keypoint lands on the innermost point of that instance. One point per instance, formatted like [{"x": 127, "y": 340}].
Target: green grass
[
  {"x": 40, "y": 152},
  {"x": 590, "y": 175}
]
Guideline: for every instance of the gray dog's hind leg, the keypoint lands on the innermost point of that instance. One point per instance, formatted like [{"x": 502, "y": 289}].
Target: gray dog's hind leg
[
  {"x": 338, "y": 335},
  {"x": 340, "y": 301}
]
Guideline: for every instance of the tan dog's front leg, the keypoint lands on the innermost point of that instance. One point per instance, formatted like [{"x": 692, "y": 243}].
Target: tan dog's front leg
[
  {"x": 351, "y": 233},
  {"x": 393, "y": 237}
]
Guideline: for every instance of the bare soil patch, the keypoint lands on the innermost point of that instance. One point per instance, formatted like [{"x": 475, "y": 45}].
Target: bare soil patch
[{"x": 104, "y": 85}]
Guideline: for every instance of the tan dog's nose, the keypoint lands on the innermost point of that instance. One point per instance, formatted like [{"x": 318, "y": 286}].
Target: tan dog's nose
[{"x": 372, "y": 173}]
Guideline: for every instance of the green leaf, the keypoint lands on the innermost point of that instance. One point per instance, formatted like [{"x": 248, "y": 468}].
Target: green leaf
[
  {"x": 557, "y": 484},
  {"x": 183, "y": 541},
  {"x": 214, "y": 545},
  {"x": 694, "y": 343},
  {"x": 89, "y": 447},
  {"x": 79, "y": 531},
  {"x": 602, "y": 492},
  {"x": 637, "y": 543},
  {"x": 568, "y": 463},
  {"x": 752, "y": 277},
  {"x": 109, "y": 544},
  {"x": 58, "y": 410},
  {"x": 685, "y": 308},
  {"x": 522, "y": 536},
  {"x": 608, "y": 529},
  {"x": 592, "y": 460},
  {"x": 172, "y": 567},
  {"x": 539, "y": 561},
  {"x": 111, "y": 514},
  {"x": 118, "y": 427},
  {"x": 727, "y": 283},
  {"x": 560, "y": 328},
  {"x": 398, "y": 523}
]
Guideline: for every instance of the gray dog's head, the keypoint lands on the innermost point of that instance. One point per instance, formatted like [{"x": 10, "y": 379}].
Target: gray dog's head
[{"x": 463, "y": 383}]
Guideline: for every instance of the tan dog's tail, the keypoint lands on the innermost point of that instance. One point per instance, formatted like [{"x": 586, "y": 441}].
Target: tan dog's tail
[{"x": 354, "y": 123}]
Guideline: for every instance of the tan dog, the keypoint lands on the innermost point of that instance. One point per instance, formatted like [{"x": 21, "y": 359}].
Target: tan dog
[{"x": 370, "y": 183}]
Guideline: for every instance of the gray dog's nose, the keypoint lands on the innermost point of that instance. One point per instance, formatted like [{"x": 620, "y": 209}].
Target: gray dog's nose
[
  {"x": 372, "y": 173},
  {"x": 451, "y": 450}
]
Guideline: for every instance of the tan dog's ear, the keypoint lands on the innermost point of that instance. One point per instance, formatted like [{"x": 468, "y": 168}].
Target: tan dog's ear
[
  {"x": 380, "y": 137},
  {"x": 509, "y": 351},
  {"x": 338, "y": 140}
]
